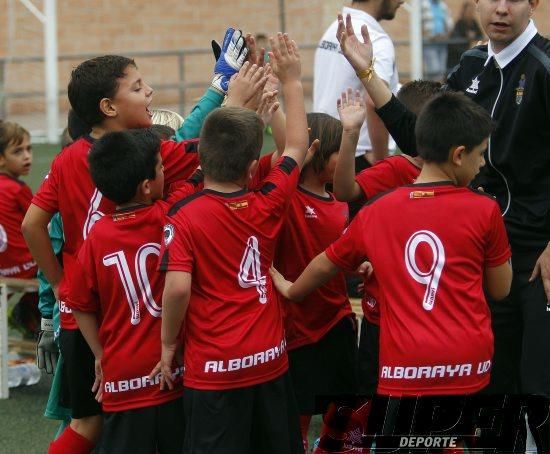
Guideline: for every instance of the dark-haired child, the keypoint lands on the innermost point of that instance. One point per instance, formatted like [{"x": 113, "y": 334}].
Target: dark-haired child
[
  {"x": 321, "y": 330},
  {"x": 387, "y": 174},
  {"x": 15, "y": 259},
  {"x": 219, "y": 244},
  {"x": 116, "y": 294},
  {"x": 435, "y": 245}
]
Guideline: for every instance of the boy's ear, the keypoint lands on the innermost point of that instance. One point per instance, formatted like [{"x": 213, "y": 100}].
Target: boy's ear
[
  {"x": 457, "y": 154},
  {"x": 144, "y": 187},
  {"x": 2, "y": 160},
  {"x": 107, "y": 107},
  {"x": 252, "y": 168}
]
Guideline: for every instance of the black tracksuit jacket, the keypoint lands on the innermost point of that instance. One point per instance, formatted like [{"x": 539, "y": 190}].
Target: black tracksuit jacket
[{"x": 517, "y": 170}]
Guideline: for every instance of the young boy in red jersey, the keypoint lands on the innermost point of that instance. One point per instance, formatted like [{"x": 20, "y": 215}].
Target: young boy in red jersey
[
  {"x": 15, "y": 259},
  {"x": 320, "y": 331},
  {"x": 435, "y": 245},
  {"x": 387, "y": 174},
  {"x": 219, "y": 244},
  {"x": 118, "y": 305}
]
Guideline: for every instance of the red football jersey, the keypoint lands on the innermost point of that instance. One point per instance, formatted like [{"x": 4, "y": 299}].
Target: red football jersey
[
  {"x": 264, "y": 167},
  {"x": 387, "y": 174},
  {"x": 234, "y": 334},
  {"x": 435, "y": 325},
  {"x": 117, "y": 277},
  {"x": 312, "y": 224},
  {"x": 15, "y": 258},
  {"x": 69, "y": 189}
]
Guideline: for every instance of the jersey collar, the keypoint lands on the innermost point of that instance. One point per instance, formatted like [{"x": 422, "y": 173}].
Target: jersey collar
[
  {"x": 506, "y": 55},
  {"x": 357, "y": 14}
]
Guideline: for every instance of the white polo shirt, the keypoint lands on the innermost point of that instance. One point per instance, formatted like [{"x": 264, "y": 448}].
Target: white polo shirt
[{"x": 333, "y": 74}]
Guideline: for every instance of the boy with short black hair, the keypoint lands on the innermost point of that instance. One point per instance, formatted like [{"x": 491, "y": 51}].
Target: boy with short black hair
[
  {"x": 433, "y": 308},
  {"x": 237, "y": 393},
  {"x": 127, "y": 168},
  {"x": 109, "y": 94}
]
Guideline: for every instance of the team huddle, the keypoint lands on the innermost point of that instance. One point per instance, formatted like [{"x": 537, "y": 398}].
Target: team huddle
[{"x": 201, "y": 287}]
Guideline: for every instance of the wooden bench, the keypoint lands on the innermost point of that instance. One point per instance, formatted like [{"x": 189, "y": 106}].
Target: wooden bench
[{"x": 7, "y": 286}]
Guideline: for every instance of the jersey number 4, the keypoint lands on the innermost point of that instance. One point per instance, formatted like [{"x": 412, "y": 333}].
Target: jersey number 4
[
  {"x": 431, "y": 277},
  {"x": 118, "y": 259},
  {"x": 250, "y": 273}
]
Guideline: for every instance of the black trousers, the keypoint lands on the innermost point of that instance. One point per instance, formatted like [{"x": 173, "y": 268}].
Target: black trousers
[{"x": 521, "y": 364}]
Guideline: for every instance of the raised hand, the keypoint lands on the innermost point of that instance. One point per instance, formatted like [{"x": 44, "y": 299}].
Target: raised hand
[
  {"x": 255, "y": 55},
  {"x": 358, "y": 53},
  {"x": 352, "y": 110},
  {"x": 231, "y": 58},
  {"x": 268, "y": 106},
  {"x": 246, "y": 85},
  {"x": 285, "y": 58}
]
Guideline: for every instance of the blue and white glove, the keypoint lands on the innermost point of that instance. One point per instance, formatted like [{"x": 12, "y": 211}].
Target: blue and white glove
[{"x": 232, "y": 56}]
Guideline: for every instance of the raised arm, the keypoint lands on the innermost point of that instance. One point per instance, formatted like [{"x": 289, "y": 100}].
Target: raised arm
[
  {"x": 285, "y": 61},
  {"x": 351, "y": 109},
  {"x": 398, "y": 120}
]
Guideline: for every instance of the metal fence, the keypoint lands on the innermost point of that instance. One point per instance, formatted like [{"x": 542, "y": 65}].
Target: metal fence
[{"x": 183, "y": 58}]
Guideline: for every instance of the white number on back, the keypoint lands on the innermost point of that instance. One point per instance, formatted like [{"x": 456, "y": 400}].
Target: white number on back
[
  {"x": 94, "y": 214},
  {"x": 250, "y": 273},
  {"x": 118, "y": 259},
  {"x": 431, "y": 277}
]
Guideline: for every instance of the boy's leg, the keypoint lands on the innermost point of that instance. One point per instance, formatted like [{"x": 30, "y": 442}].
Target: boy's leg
[
  {"x": 170, "y": 427},
  {"x": 219, "y": 421},
  {"x": 275, "y": 420},
  {"x": 130, "y": 431},
  {"x": 78, "y": 379},
  {"x": 367, "y": 363}
]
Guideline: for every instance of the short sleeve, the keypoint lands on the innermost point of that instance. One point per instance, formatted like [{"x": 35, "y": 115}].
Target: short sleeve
[
  {"x": 376, "y": 179},
  {"x": 497, "y": 250},
  {"x": 177, "y": 247},
  {"x": 181, "y": 189},
  {"x": 83, "y": 288},
  {"x": 280, "y": 185},
  {"x": 264, "y": 167},
  {"x": 24, "y": 198},
  {"x": 47, "y": 195},
  {"x": 348, "y": 252},
  {"x": 180, "y": 159}
]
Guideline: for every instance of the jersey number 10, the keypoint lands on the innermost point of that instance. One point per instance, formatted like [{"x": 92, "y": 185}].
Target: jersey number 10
[{"x": 118, "y": 259}]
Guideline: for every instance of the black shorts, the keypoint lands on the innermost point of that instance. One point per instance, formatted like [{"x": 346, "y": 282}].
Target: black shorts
[
  {"x": 325, "y": 371},
  {"x": 146, "y": 430},
  {"x": 261, "y": 418},
  {"x": 369, "y": 346},
  {"x": 78, "y": 375}
]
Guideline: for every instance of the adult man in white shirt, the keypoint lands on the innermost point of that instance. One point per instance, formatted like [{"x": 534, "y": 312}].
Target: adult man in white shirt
[{"x": 333, "y": 73}]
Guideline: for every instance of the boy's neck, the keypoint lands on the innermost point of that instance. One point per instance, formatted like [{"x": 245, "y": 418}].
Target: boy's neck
[
  {"x": 9, "y": 174},
  {"x": 226, "y": 187},
  {"x": 138, "y": 201},
  {"x": 100, "y": 130},
  {"x": 311, "y": 183},
  {"x": 433, "y": 172}
]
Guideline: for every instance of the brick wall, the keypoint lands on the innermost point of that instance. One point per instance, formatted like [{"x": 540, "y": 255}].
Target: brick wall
[{"x": 120, "y": 26}]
